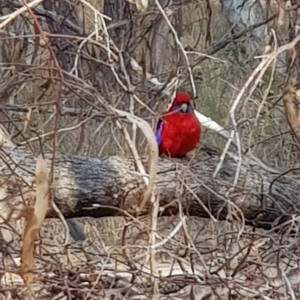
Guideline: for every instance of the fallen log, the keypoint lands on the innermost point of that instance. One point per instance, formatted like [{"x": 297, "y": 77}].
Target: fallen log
[{"x": 85, "y": 186}]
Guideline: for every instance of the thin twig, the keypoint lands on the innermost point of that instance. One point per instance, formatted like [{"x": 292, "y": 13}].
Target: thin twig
[
  {"x": 12, "y": 16},
  {"x": 179, "y": 44}
]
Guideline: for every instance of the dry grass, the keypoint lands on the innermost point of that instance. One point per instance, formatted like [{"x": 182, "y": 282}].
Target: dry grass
[{"x": 240, "y": 262}]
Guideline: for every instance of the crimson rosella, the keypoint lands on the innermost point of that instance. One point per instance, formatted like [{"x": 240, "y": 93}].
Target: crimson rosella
[{"x": 179, "y": 131}]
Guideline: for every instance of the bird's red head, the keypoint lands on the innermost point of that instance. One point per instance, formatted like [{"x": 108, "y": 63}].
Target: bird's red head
[
  {"x": 181, "y": 103},
  {"x": 181, "y": 98}
]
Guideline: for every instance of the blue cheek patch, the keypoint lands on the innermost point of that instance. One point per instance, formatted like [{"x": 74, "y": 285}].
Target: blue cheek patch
[
  {"x": 176, "y": 108},
  {"x": 158, "y": 132},
  {"x": 190, "y": 109}
]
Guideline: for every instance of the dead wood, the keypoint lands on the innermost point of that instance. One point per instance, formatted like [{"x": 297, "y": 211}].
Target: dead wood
[
  {"x": 236, "y": 258},
  {"x": 98, "y": 187}
]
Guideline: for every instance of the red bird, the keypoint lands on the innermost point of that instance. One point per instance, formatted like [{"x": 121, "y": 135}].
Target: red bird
[{"x": 179, "y": 132}]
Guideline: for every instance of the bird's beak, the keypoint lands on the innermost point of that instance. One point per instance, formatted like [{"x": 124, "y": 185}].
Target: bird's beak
[{"x": 184, "y": 107}]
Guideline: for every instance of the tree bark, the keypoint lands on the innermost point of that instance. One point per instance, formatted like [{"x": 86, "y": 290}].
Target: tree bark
[{"x": 85, "y": 186}]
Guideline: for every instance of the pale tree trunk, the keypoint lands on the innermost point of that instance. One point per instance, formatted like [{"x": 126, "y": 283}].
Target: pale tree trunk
[{"x": 262, "y": 15}]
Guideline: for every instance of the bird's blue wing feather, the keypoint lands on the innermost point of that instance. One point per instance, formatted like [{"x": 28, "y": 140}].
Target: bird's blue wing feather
[
  {"x": 158, "y": 132},
  {"x": 160, "y": 124}
]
